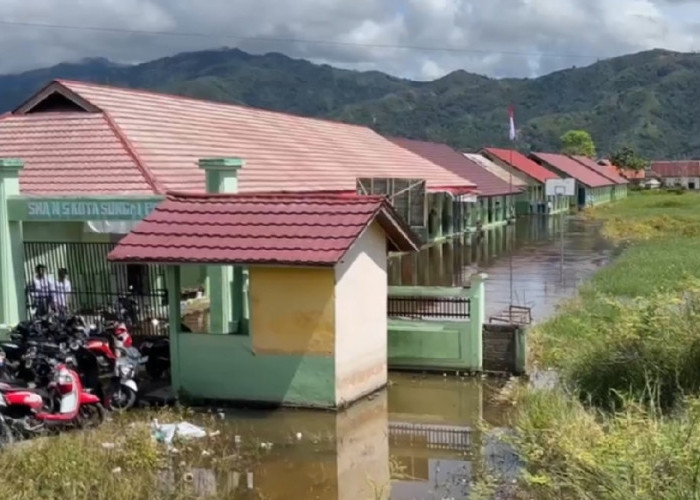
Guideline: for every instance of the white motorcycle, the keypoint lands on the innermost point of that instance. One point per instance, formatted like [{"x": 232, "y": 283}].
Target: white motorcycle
[{"x": 124, "y": 390}]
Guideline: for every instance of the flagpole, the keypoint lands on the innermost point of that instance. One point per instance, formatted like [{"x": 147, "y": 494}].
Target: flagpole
[{"x": 510, "y": 193}]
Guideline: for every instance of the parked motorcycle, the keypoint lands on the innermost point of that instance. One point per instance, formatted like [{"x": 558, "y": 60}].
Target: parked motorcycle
[
  {"x": 158, "y": 352},
  {"x": 62, "y": 404},
  {"x": 123, "y": 391}
]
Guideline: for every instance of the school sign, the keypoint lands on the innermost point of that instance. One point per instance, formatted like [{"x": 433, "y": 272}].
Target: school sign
[{"x": 81, "y": 209}]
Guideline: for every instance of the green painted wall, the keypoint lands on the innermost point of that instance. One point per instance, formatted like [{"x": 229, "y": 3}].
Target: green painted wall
[
  {"x": 429, "y": 344},
  {"x": 225, "y": 367}
]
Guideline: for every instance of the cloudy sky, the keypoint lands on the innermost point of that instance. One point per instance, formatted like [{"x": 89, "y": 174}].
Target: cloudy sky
[{"x": 422, "y": 39}]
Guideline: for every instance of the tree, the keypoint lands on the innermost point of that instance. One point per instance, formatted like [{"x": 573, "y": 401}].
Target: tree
[
  {"x": 626, "y": 158},
  {"x": 578, "y": 142}
]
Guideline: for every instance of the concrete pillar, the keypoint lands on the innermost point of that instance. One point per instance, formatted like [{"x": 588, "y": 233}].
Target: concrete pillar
[
  {"x": 172, "y": 284},
  {"x": 476, "y": 320},
  {"x": 12, "y": 300},
  {"x": 225, "y": 283}
]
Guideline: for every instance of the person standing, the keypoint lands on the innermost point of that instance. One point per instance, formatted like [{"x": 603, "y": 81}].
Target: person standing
[
  {"x": 63, "y": 291},
  {"x": 43, "y": 289}
]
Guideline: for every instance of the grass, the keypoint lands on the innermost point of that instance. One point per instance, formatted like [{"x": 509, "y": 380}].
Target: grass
[
  {"x": 624, "y": 422},
  {"x": 575, "y": 453},
  {"x": 129, "y": 466}
]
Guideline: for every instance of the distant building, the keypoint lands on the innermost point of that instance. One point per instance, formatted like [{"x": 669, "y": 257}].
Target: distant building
[{"x": 685, "y": 173}]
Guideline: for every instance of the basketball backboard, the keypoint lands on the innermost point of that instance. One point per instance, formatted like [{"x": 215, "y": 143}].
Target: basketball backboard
[{"x": 560, "y": 187}]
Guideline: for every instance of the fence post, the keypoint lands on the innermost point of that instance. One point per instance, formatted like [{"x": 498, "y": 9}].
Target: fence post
[
  {"x": 520, "y": 351},
  {"x": 477, "y": 317}
]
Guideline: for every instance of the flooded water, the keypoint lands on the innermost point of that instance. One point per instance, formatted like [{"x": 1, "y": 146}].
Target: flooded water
[
  {"x": 421, "y": 438},
  {"x": 535, "y": 262}
]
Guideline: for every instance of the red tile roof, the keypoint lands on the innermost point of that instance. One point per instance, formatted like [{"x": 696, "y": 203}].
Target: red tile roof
[
  {"x": 520, "y": 162},
  {"x": 573, "y": 168},
  {"x": 606, "y": 171},
  {"x": 72, "y": 152},
  {"x": 627, "y": 173},
  {"x": 487, "y": 183},
  {"x": 497, "y": 170},
  {"x": 168, "y": 134},
  {"x": 285, "y": 229},
  {"x": 685, "y": 168}
]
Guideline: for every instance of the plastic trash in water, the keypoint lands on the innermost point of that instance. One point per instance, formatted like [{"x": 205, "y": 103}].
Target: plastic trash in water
[{"x": 165, "y": 433}]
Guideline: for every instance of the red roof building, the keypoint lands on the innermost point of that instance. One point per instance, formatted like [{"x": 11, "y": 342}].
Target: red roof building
[
  {"x": 520, "y": 162},
  {"x": 606, "y": 171},
  {"x": 77, "y": 138},
  {"x": 570, "y": 167},
  {"x": 487, "y": 183},
  {"x": 683, "y": 168},
  {"x": 282, "y": 229}
]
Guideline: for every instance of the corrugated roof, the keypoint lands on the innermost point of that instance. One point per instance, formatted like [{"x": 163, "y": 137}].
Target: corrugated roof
[
  {"x": 627, "y": 173},
  {"x": 487, "y": 184},
  {"x": 684, "y": 168},
  {"x": 72, "y": 152},
  {"x": 571, "y": 167},
  {"x": 282, "y": 152},
  {"x": 496, "y": 169},
  {"x": 283, "y": 229},
  {"x": 606, "y": 171},
  {"x": 520, "y": 162}
]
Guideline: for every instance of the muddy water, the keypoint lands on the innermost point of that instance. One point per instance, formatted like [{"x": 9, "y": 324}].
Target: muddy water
[
  {"x": 420, "y": 438},
  {"x": 535, "y": 262}
]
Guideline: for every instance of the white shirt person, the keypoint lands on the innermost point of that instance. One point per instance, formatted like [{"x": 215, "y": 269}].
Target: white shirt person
[{"x": 63, "y": 291}]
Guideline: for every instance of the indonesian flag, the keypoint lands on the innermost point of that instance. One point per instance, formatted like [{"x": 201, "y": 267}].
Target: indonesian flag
[{"x": 512, "y": 123}]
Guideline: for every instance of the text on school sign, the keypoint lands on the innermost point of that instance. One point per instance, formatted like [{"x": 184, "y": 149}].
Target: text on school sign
[{"x": 89, "y": 210}]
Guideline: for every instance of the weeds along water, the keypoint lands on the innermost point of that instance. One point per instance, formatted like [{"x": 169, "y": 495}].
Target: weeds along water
[
  {"x": 623, "y": 424},
  {"x": 121, "y": 461}
]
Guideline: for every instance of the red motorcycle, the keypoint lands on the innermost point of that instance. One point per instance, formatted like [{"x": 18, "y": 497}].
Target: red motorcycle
[
  {"x": 105, "y": 346},
  {"x": 63, "y": 404}
]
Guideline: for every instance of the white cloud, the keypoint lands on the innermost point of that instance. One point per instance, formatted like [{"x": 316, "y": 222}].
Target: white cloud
[{"x": 494, "y": 37}]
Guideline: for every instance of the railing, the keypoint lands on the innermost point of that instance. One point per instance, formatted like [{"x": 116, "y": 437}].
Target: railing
[
  {"x": 434, "y": 436},
  {"x": 429, "y": 302},
  {"x": 95, "y": 283}
]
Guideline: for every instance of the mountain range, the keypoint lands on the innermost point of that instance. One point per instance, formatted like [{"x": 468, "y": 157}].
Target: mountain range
[{"x": 646, "y": 100}]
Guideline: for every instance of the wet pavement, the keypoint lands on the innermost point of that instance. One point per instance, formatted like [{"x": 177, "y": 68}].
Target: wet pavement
[{"x": 423, "y": 437}]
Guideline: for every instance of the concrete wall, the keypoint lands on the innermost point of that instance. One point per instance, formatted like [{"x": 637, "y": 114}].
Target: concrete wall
[
  {"x": 361, "y": 317},
  {"x": 686, "y": 182},
  {"x": 292, "y": 310},
  {"x": 504, "y": 348},
  {"x": 226, "y": 367}
]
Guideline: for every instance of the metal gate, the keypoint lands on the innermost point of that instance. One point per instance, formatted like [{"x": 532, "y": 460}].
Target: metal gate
[{"x": 95, "y": 283}]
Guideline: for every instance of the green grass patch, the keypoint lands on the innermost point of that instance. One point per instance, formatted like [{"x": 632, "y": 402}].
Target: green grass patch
[
  {"x": 648, "y": 215},
  {"x": 624, "y": 423},
  {"x": 575, "y": 453}
]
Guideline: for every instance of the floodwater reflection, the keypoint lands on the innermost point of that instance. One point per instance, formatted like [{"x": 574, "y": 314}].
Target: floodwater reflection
[
  {"x": 419, "y": 439},
  {"x": 537, "y": 262}
]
